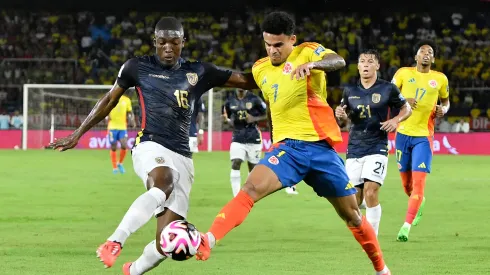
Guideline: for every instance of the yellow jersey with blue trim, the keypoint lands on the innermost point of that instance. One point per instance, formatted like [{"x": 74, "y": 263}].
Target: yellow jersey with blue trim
[{"x": 299, "y": 108}]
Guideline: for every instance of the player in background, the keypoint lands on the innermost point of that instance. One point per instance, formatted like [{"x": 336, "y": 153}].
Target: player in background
[
  {"x": 196, "y": 132},
  {"x": 422, "y": 87},
  {"x": 168, "y": 88},
  {"x": 117, "y": 128},
  {"x": 367, "y": 104},
  {"x": 304, "y": 131},
  {"x": 242, "y": 111}
]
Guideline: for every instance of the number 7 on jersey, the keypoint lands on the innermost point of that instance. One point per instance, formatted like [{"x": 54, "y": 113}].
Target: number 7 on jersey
[{"x": 275, "y": 87}]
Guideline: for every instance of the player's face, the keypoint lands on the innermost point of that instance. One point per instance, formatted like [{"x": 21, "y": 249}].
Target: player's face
[
  {"x": 169, "y": 49},
  {"x": 425, "y": 55},
  {"x": 367, "y": 66},
  {"x": 278, "y": 47}
]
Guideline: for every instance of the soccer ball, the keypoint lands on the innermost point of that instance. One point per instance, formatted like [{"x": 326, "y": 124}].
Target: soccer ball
[{"x": 179, "y": 240}]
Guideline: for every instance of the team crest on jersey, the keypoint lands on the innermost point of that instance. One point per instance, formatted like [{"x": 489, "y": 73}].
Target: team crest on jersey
[
  {"x": 248, "y": 105},
  {"x": 192, "y": 78},
  {"x": 433, "y": 83},
  {"x": 376, "y": 98},
  {"x": 273, "y": 160},
  {"x": 288, "y": 68},
  {"x": 159, "y": 160}
]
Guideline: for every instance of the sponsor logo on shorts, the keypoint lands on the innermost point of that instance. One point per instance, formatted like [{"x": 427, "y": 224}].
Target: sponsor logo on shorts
[
  {"x": 349, "y": 186},
  {"x": 160, "y": 160},
  {"x": 399, "y": 166},
  {"x": 273, "y": 160}
]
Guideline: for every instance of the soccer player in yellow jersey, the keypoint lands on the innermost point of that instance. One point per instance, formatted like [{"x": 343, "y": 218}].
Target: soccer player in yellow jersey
[
  {"x": 422, "y": 87},
  {"x": 118, "y": 131},
  {"x": 304, "y": 129}
]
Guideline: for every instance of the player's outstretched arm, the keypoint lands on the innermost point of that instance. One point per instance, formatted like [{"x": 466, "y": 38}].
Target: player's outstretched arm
[
  {"x": 241, "y": 80},
  {"x": 329, "y": 63},
  {"x": 98, "y": 113}
]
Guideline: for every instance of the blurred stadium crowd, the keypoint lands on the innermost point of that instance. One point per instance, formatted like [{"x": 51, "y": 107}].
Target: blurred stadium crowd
[{"x": 89, "y": 48}]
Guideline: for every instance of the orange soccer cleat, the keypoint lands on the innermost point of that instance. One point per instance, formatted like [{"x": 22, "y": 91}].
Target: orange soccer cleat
[
  {"x": 108, "y": 253},
  {"x": 126, "y": 268},
  {"x": 204, "y": 250}
]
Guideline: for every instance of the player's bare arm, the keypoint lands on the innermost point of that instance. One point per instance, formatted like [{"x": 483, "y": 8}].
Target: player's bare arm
[
  {"x": 329, "y": 63},
  {"x": 442, "y": 109},
  {"x": 100, "y": 111},
  {"x": 252, "y": 119},
  {"x": 240, "y": 80},
  {"x": 391, "y": 124},
  {"x": 132, "y": 119}
]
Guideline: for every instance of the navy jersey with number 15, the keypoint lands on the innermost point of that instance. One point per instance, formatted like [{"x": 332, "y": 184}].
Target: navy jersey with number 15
[
  {"x": 367, "y": 108},
  {"x": 167, "y": 97}
]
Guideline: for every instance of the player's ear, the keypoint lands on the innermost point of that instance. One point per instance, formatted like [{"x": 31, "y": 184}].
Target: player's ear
[
  {"x": 293, "y": 39},
  {"x": 377, "y": 66},
  {"x": 154, "y": 42}
]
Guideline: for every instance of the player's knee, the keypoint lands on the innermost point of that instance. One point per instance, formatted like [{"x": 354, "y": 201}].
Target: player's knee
[
  {"x": 236, "y": 164},
  {"x": 124, "y": 146},
  {"x": 114, "y": 147},
  {"x": 371, "y": 193},
  {"x": 161, "y": 178}
]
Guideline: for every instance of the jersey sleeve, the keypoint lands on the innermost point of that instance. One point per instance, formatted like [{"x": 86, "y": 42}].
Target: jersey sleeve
[
  {"x": 398, "y": 78},
  {"x": 316, "y": 51},
  {"x": 345, "y": 98},
  {"x": 444, "y": 90},
  {"x": 396, "y": 98},
  {"x": 260, "y": 105},
  {"x": 128, "y": 74},
  {"x": 214, "y": 76}
]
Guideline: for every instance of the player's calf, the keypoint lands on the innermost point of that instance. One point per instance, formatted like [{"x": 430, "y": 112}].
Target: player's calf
[
  {"x": 373, "y": 207},
  {"x": 235, "y": 177},
  {"x": 364, "y": 233}
]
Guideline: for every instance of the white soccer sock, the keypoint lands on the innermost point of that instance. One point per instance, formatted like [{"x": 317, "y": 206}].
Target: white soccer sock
[
  {"x": 236, "y": 181},
  {"x": 150, "y": 259},
  {"x": 138, "y": 214},
  {"x": 212, "y": 239},
  {"x": 373, "y": 216}
]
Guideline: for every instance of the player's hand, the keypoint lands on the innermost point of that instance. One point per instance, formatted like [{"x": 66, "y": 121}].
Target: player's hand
[
  {"x": 439, "y": 111},
  {"x": 200, "y": 138},
  {"x": 412, "y": 102},
  {"x": 65, "y": 143},
  {"x": 250, "y": 119},
  {"x": 340, "y": 112},
  {"x": 302, "y": 71},
  {"x": 389, "y": 125}
]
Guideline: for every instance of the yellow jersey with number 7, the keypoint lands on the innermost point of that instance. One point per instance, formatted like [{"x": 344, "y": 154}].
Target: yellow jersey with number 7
[
  {"x": 426, "y": 88},
  {"x": 299, "y": 108}
]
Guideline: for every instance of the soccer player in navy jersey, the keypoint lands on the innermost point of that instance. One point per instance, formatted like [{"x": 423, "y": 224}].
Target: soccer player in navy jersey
[{"x": 168, "y": 88}]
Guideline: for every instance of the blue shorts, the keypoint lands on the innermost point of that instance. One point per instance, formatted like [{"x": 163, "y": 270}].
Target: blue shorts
[
  {"x": 316, "y": 163},
  {"x": 413, "y": 153},
  {"x": 117, "y": 135}
]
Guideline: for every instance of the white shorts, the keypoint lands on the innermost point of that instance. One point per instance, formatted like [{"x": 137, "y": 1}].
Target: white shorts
[
  {"x": 148, "y": 155},
  {"x": 246, "y": 152},
  {"x": 371, "y": 168},
  {"x": 193, "y": 144}
]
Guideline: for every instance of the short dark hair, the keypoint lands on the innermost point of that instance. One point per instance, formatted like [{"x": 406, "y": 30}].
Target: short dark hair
[
  {"x": 169, "y": 23},
  {"x": 279, "y": 22},
  {"x": 431, "y": 43},
  {"x": 371, "y": 52}
]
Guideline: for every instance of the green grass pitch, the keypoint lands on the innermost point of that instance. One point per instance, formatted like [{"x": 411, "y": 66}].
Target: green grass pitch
[{"x": 56, "y": 208}]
